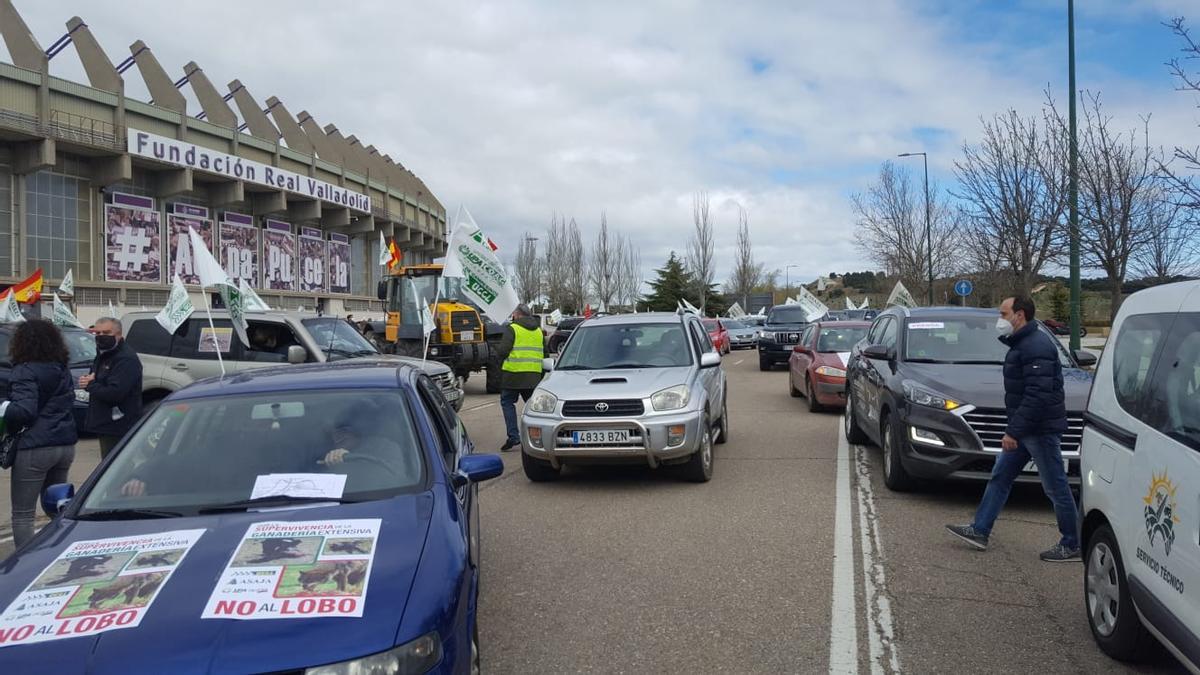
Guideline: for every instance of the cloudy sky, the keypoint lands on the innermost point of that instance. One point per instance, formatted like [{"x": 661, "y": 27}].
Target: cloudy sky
[{"x": 522, "y": 109}]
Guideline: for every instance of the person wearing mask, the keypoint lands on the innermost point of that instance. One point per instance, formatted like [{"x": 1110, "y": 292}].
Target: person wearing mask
[
  {"x": 114, "y": 386},
  {"x": 39, "y": 408},
  {"x": 521, "y": 349},
  {"x": 1037, "y": 418}
]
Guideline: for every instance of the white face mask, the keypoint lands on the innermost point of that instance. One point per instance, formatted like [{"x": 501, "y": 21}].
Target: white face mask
[{"x": 1004, "y": 326}]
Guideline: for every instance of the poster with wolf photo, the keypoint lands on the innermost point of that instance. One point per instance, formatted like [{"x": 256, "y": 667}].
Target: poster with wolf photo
[
  {"x": 279, "y": 254},
  {"x": 312, "y": 261},
  {"x": 339, "y": 263},
  {"x": 239, "y": 252},
  {"x": 132, "y": 244},
  {"x": 179, "y": 245}
]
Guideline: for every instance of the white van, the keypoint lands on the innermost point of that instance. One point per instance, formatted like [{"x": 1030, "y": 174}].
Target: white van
[{"x": 1140, "y": 465}]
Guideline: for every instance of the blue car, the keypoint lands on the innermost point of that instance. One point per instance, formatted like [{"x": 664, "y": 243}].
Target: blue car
[{"x": 311, "y": 519}]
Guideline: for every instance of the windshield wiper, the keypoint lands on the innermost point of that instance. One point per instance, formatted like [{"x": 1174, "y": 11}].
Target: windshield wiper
[
  {"x": 272, "y": 500},
  {"x": 922, "y": 359},
  {"x": 126, "y": 514},
  {"x": 624, "y": 365},
  {"x": 575, "y": 368},
  {"x": 980, "y": 362}
]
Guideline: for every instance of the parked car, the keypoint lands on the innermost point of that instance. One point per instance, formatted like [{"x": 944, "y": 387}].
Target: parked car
[
  {"x": 1141, "y": 468},
  {"x": 753, "y": 320},
  {"x": 779, "y": 334},
  {"x": 927, "y": 386},
  {"x": 82, "y": 347},
  {"x": 209, "y": 512},
  {"x": 718, "y": 334},
  {"x": 859, "y": 314},
  {"x": 741, "y": 336},
  {"x": 631, "y": 388},
  {"x": 562, "y": 332},
  {"x": 171, "y": 362},
  {"x": 1062, "y": 328},
  {"x": 817, "y": 368}
]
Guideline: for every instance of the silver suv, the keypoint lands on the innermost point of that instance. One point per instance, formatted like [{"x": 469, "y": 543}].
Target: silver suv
[
  {"x": 632, "y": 388},
  {"x": 172, "y": 361}
]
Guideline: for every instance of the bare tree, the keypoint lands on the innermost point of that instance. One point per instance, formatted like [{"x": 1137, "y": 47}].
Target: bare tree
[
  {"x": 747, "y": 274},
  {"x": 1173, "y": 244},
  {"x": 891, "y": 227},
  {"x": 1014, "y": 184},
  {"x": 576, "y": 266},
  {"x": 629, "y": 274},
  {"x": 700, "y": 247},
  {"x": 604, "y": 268},
  {"x": 528, "y": 270},
  {"x": 556, "y": 264},
  {"x": 1190, "y": 82}
]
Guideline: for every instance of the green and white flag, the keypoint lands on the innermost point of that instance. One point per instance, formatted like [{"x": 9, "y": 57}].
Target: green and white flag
[
  {"x": 469, "y": 256},
  {"x": 814, "y": 309},
  {"x": 112, "y": 311},
  {"x": 213, "y": 276},
  {"x": 178, "y": 308},
  {"x": 865, "y": 303},
  {"x": 67, "y": 285},
  {"x": 736, "y": 311},
  {"x": 12, "y": 310},
  {"x": 63, "y": 315},
  {"x": 235, "y": 304},
  {"x": 427, "y": 324},
  {"x": 556, "y": 317},
  {"x": 901, "y": 297},
  {"x": 253, "y": 302}
]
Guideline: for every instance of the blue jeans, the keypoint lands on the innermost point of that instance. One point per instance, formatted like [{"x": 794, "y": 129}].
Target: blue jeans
[
  {"x": 1046, "y": 452},
  {"x": 508, "y": 404}
]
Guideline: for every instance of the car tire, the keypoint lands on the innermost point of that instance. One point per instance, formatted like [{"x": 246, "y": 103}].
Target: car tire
[
  {"x": 792, "y": 390},
  {"x": 813, "y": 405},
  {"x": 723, "y": 434},
  {"x": 854, "y": 433},
  {"x": 699, "y": 466},
  {"x": 895, "y": 476},
  {"x": 1105, "y": 587},
  {"x": 537, "y": 470},
  {"x": 410, "y": 348},
  {"x": 764, "y": 364}
]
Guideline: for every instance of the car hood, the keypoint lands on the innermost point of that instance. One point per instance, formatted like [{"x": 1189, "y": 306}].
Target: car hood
[
  {"x": 983, "y": 385},
  {"x": 784, "y": 327},
  {"x": 173, "y": 638},
  {"x": 430, "y": 366},
  {"x": 743, "y": 333},
  {"x": 835, "y": 359},
  {"x": 570, "y": 385}
]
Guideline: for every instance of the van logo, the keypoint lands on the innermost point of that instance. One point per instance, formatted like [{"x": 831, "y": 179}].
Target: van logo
[
  {"x": 1160, "y": 511},
  {"x": 601, "y": 407}
]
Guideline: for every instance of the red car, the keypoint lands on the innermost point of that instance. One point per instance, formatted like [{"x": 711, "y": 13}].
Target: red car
[
  {"x": 817, "y": 366},
  {"x": 718, "y": 334}
]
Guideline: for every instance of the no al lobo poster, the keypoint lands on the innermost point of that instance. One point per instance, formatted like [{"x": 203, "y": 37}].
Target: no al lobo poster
[
  {"x": 95, "y": 586},
  {"x": 297, "y": 570},
  {"x": 179, "y": 244}
]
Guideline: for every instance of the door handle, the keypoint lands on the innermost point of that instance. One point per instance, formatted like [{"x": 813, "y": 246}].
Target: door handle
[{"x": 180, "y": 367}]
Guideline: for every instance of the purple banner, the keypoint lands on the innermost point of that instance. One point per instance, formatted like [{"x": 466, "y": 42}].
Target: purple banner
[
  {"x": 339, "y": 237},
  {"x": 279, "y": 253},
  {"x": 239, "y": 251},
  {"x": 179, "y": 245},
  {"x": 189, "y": 210},
  {"x": 279, "y": 226},
  {"x": 134, "y": 201},
  {"x": 132, "y": 245},
  {"x": 311, "y": 232},
  {"x": 339, "y": 263},
  {"x": 312, "y": 263},
  {"x": 239, "y": 218}
]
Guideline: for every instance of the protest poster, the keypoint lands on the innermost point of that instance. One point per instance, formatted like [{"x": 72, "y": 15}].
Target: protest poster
[
  {"x": 312, "y": 261},
  {"x": 95, "y": 586},
  {"x": 132, "y": 240},
  {"x": 339, "y": 263},
  {"x": 279, "y": 252},
  {"x": 297, "y": 570},
  {"x": 182, "y": 218},
  {"x": 216, "y": 338},
  {"x": 900, "y": 297},
  {"x": 471, "y": 256}
]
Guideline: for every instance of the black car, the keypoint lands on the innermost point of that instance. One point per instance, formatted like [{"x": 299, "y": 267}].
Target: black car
[
  {"x": 926, "y": 385},
  {"x": 780, "y": 333},
  {"x": 565, "y": 327},
  {"x": 82, "y": 346}
]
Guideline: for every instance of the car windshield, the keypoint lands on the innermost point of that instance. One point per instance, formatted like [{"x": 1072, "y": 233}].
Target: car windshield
[
  {"x": 653, "y": 345},
  {"x": 972, "y": 339},
  {"x": 80, "y": 343},
  {"x": 338, "y": 339},
  {"x": 787, "y": 315},
  {"x": 710, "y": 325},
  {"x": 840, "y": 339},
  {"x": 209, "y": 453},
  {"x": 733, "y": 325}
]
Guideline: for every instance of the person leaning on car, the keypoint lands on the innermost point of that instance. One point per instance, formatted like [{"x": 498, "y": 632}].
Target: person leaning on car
[
  {"x": 521, "y": 350},
  {"x": 114, "y": 386}
]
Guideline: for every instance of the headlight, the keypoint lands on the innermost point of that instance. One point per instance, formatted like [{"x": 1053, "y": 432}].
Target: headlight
[
  {"x": 542, "y": 402},
  {"x": 418, "y": 656},
  {"x": 671, "y": 398},
  {"x": 766, "y": 335},
  {"x": 929, "y": 398},
  {"x": 831, "y": 371}
]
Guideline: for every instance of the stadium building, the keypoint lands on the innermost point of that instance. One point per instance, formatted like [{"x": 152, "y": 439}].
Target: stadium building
[{"x": 108, "y": 186}]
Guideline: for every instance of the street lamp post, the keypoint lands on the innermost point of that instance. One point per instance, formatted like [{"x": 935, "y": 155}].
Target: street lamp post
[
  {"x": 788, "y": 278},
  {"x": 1073, "y": 189},
  {"x": 928, "y": 230}
]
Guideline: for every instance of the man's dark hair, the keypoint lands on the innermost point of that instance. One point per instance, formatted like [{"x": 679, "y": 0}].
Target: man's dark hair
[
  {"x": 39, "y": 341},
  {"x": 1024, "y": 303}
]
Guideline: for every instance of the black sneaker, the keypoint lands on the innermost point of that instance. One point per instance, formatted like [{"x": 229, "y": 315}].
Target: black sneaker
[
  {"x": 509, "y": 445},
  {"x": 1059, "y": 553},
  {"x": 968, "y": 534}
]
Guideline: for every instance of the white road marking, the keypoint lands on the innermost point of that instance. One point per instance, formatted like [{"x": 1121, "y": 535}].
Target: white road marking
[
  {"x": 6, "y": 540},
  {"x": 738, "y": 362},
  {"x": 843, "y": 627},
  {"x": 479, "y": 407},
  {"x": 881, "y": 633}
]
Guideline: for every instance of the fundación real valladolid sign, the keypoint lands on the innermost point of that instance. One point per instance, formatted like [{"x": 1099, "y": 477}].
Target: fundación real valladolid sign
[{"x": 182, "y": 153}]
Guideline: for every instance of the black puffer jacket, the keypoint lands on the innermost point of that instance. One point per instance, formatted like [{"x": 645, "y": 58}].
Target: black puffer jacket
[
  {"x": 1033, "y": 384},
  {"x": 118, "y": 384},
  {"x": 40, "y": 401}
]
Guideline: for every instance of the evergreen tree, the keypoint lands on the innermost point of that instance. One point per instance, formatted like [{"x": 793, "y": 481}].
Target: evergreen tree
[{"x": 672, "y": 285}]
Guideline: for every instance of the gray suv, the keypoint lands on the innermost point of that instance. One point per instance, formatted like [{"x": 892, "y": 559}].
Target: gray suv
[
  {"x": 633, "y": 389},
  {"x": 172, "y": 361}
]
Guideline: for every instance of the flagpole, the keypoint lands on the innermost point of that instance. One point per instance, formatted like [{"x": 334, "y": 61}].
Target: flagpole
[{"x": 216, "y": 343}]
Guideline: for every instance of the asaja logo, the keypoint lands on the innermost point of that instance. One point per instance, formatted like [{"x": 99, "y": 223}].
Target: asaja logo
[{"x": 1160, "y": 511}]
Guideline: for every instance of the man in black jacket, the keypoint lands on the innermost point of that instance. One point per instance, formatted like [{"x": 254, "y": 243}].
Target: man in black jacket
[
  {"x": 1037, "y": 418},
  {"x": 114, "y": 386}
]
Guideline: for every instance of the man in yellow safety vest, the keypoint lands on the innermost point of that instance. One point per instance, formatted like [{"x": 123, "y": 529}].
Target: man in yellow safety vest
[{"x": 522, "y": 349}]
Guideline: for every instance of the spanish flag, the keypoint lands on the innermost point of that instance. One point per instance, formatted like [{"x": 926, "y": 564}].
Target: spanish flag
[
  {"x": 28, "y": 291},
  {"x": 394, "y": 252}
]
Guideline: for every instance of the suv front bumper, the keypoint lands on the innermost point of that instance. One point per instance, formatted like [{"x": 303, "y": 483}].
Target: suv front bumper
[{"x": 648, "y": 439}]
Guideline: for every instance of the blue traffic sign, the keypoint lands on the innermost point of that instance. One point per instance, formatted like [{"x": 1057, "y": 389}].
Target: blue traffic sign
[{"x": 963, "y": 287}]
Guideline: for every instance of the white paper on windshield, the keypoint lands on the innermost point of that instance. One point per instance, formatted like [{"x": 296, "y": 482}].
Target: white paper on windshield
[
  {"x": 297, "y": 570},
  {"x": 926, "y": 325},
  {"x": 845, "y": 358},
  {"x": 95, "y": 586},
  {"x": 316, "y": 485}
]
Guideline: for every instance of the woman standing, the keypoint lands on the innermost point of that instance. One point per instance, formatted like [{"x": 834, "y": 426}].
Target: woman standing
[{"x": 40, "y": 399}]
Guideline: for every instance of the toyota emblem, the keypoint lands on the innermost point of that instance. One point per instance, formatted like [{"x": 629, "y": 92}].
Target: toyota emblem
[{"x": 601, "y": 407}]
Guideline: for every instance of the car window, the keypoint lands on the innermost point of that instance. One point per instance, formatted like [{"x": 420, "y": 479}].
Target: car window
[
  {"x": 1174, "y": 407},
  {"x": 338, "y": 339},
  {"x": 876, "y": 329},
  {"x": 789, "y": 314},
  {"x": 196, "y": 340},
  {"x": 887, "y": 333},
  {"x": 81, "y": 345},
  {"x": 703, "y": 341},
  {"x": 446, "y": 422},
  {"x": 732, "y": 325},
  {"x": 147, "y": 336},
  {"x": 806, "y": 336},
  {"x": 626, "y": 345},
  {"x": 1140, "y": 338},
  {"x": 835, "y": 339},
  {"x": 198, "y": 453}
]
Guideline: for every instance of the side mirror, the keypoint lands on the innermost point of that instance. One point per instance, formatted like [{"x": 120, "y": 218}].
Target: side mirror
[
  {"x": 297, "y": 354},
  {"x": 477, "y": 468},
  {"x": 1084, "y": 358},
  {"x": 547, "y": 365},
  {"x": 710, "y": 360},
  {"x": 381, "y": 289},
  {"x": 56, "y": 497},
  {"x": 878, "y": 353}
]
